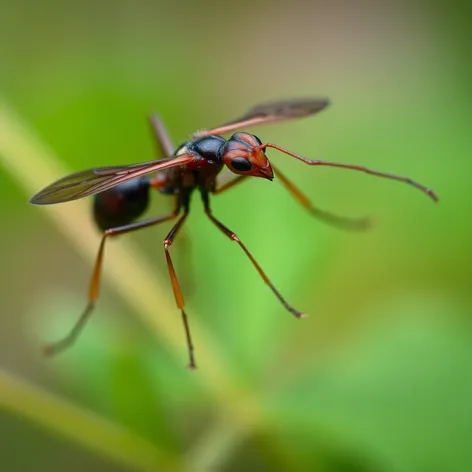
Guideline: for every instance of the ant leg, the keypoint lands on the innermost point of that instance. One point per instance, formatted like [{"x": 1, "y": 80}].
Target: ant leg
[
  {"x": 70, "y": 338},
  {"x": 327, "y": 217},
  {"x": 163, "y": 140},
  {"x": 234, "y": 237},
  {"x": 335, "y": 220},
  {"x": 228, "y": 182},
  {"x": 168, "y": 241}
]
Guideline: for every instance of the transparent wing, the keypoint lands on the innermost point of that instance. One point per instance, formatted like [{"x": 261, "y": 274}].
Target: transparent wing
[
  {"x": 270, "y": 112},
  {"x": 87, "y": 182}
]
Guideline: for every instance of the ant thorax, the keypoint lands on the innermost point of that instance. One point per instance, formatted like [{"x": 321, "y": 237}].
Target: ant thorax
[{"x": 208, "y": 148}]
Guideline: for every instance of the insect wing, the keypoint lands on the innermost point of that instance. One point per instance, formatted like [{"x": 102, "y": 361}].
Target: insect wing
[
  {"x": 91, "y": 181},
  {"x": 270, "y": 112}
]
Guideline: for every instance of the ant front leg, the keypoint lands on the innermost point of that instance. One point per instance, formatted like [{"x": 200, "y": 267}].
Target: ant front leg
[
  {"x": 330, "y": 218},
  {"x": 70, "y": 338},
  {"x": 356, "y": 224}
]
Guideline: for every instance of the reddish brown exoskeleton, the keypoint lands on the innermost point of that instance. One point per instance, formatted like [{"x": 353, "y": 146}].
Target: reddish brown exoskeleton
[{"x": 122, "y": 192}]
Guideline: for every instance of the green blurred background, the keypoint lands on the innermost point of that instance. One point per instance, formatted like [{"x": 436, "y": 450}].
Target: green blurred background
[{"x": 379, "y": 377}]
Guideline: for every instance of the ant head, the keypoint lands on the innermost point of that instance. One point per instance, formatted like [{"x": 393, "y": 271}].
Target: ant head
[{"x": 244, "y": 154}]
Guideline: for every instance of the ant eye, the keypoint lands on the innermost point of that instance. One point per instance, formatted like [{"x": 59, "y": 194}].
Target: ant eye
[{"x": 241, "y": 163}]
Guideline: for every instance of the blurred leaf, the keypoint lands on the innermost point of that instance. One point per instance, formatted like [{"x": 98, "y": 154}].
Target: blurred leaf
[
  {"x": 399, "y": 398},
  {"x": 122, "y": 375},
  {"x": 81, "y": 426},
  {"x": 137, "y": 403}
]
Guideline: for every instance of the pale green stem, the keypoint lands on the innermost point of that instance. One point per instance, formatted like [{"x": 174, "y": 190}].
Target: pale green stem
[
  {"x": 34, "y": 166},
  {"x": 213, "y": 449},
  {"x": 83, "y": 427}
]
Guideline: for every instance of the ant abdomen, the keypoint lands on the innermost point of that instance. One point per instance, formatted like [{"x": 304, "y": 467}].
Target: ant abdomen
[{"x": 122, "y": 204}]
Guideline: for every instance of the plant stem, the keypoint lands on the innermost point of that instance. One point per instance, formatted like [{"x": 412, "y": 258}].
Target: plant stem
[
  {"x": 81, "y": 426},
  {"x": 34, "y": 166}
]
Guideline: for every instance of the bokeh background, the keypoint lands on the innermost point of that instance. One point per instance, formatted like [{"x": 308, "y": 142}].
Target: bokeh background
[{"x": 378, "y": 378}]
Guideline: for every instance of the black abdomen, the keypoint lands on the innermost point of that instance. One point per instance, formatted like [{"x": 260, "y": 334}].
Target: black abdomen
[{"x": 122, "y": 204}]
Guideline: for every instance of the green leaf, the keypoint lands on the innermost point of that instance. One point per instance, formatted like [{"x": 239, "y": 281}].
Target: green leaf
[{"x": 399, "y": 397}]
